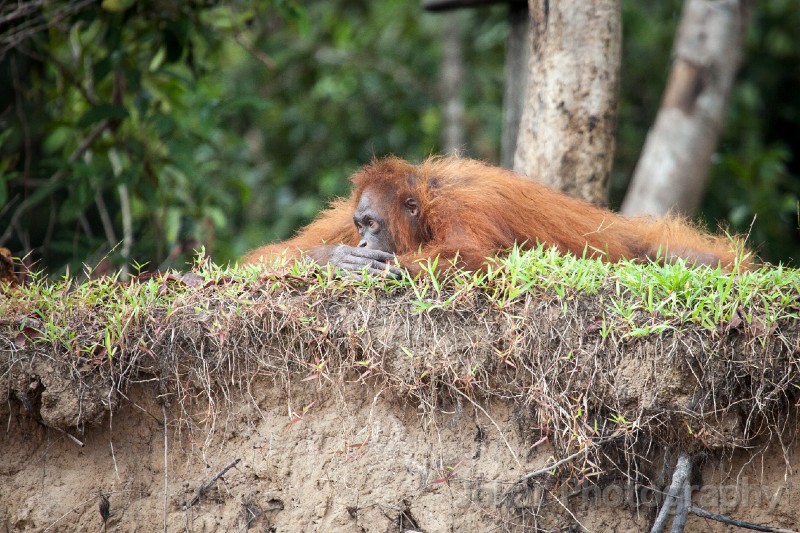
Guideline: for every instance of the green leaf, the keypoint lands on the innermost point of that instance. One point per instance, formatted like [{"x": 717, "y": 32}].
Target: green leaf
[
  {"x": 102, "y": 112},
  {"x": 221, "y": 17},
  {"x": 172, "y": 224},
  {"x": 101, "y": 69},
  {"x": 80, "y": 196},
  {"x": 117, "y": 6},
  {"x": 217, "y": 216},
  {"x": 57, "y": 138},
  {"x": 255, "y": 102},
  {"x": 158, "y": 59}
]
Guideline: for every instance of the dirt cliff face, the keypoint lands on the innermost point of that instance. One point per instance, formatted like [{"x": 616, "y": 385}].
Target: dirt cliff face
[
  {"x": 350, "y": 458},
  {"x": 285, "y": 406}
]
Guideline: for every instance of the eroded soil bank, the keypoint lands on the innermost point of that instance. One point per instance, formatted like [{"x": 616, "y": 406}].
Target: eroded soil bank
[
  {"x": 284, "y": 405},
  {"x": 349, "y": 458}
]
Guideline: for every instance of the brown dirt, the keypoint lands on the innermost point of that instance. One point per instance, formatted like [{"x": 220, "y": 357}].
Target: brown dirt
[{"x": 358, "y": 460}]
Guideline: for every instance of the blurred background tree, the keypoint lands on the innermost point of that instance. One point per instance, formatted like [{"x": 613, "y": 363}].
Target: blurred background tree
[
  {"x": 137, "y": 130},
  {"x": 754, "y": 182}
]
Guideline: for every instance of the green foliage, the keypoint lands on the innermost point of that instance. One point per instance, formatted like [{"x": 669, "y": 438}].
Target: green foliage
[
  {"x": 118, "y": 120},
  {"x": 231, "y": 124}
]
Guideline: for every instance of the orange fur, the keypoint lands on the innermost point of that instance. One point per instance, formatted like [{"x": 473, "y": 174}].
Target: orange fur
[
  {"x": 472, "y": 211},
  {"x": 332, "y": 226}
]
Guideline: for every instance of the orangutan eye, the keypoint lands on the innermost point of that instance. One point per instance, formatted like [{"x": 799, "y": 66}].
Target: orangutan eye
[{"x": 373, "y": 225}]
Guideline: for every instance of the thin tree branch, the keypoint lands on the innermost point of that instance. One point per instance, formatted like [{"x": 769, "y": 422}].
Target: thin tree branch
[
  {"x": 682, "y": 507},
  {"x": 557, "y": 463},
  {"x": 105, "y": 219},
  {"x": 253, "y": 51},
  {"x": 23, "y": 121},
  {"x": 27, "y": 28},
  {"x": 682, "y": 470},
  {"x": 166, "y": 464},
  {"x": 127, "y": 228},
  {"x": 738, "y": 523},
  {"x": 205, "y": 486},
  {"x": 125, "y": 208}
]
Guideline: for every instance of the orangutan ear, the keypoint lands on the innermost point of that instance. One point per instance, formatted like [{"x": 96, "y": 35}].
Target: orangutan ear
[{"x": 412, "y": 206}]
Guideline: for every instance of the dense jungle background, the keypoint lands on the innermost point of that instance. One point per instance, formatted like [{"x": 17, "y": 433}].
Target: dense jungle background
[{"x": 167, "y": 126}]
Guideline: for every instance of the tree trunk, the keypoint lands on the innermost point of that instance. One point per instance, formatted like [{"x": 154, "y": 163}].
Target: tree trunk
[
  {"x": 452, "y": 80},
  {"x": 566, "y": 138},
  {"x": 516, "y": 77},
  {"x": 672, "y": 170}
]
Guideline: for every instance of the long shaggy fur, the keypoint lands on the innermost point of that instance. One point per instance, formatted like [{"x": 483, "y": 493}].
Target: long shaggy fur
[{"x": 472, "y": 211}]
